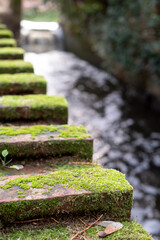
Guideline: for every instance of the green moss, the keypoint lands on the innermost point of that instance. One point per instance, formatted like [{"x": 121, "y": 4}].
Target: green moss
[
  {"x": 11, "y": 53},
  {"x": 22, "y": 83},
  {"x": 6, "y": 33},
  {"x": 35, "y": 130},
  {"x": 15, "y": 66},
  {"x": 94, "y": 179},
  {"x": 7, "y": 42},
  {"x": 2, "y": 26}
]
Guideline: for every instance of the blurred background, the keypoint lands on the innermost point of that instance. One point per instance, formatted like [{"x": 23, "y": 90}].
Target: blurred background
[{"x": 104, "y": 57}]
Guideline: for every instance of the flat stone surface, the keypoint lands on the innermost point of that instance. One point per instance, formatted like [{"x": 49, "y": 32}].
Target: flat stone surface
[
  {"x": 50, "y": 109},
  {"x": 7, "y": 42},
  {"x": 15, "y": 66},
  {"x": 79, "y": 191},
  {"x": 11, "y": 53},
  {"x": 22, "y": 83},
  {"x": 46, "y": 141}
]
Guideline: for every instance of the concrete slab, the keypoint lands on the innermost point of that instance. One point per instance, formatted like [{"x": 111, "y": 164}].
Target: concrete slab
[
  {"x": 47, "y": 109},
  {"x": 81, "y": 191},
  {"x": 15, "y": 66},
  {"x": 21, "y": 84},
  {"x": 11, "y": 53},
  {"x": 42, "y": 141}
]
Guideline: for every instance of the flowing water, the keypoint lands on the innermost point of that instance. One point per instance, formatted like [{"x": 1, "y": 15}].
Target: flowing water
[{"x": 127, "y": 135}]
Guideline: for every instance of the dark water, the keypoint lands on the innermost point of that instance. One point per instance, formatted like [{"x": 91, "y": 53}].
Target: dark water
[{"x": 127, "y": 135}]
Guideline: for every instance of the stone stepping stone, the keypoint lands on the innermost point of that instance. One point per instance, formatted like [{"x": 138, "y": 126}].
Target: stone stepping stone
[
  {"x": 5, "y": 33},
  {"x": 67, "y": 229},
  {"x": 7, "y": 42},
  {"x": 79, "y": 192},
  {"x": 40, "y": 107},
  {"x": 2, "y": 26},
  {"x": 11, "y": 53},
  {"x": 22, "y": 83},
  {"x": 15, "y": 66},
  {"x": 46, "y": 141}
]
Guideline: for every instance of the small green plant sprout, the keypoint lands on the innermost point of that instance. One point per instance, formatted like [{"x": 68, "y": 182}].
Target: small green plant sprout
[{"x": 4, "y": 160}]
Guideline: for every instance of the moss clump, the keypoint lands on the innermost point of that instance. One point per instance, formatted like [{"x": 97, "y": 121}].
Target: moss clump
[
  {"x": 2, "y": 26},
  {"x": 4, "y": 33},
  {"x": 7, "y": 42},
  {"x": 11, "y": 53},
  {"x": 15, "y": 66},
  {"x": 22, "y": 83},
  {"x": 64, "y": 131},
  {"x": 94, "y": 179},
  {"x": 34, "y": 107},
  {"x": 110, "y": 193}
]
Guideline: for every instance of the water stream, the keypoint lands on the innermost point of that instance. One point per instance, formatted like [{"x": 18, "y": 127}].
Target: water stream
[{"x": 127, "y": 136}]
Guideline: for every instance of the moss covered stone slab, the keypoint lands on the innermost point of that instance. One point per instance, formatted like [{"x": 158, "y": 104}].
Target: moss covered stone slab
[
  {"x": 22, "y": 83},
  {"x": 4, "y": 33},
  {"x": 7, "y": 42},
  {"x": 2, "y": 26},
  {"x": 51, "y": 109},
  {"x": 65, "y": 230},
  {"x": 11, "y": 53},
  {"x": 80, "y": 191},
  {"x": 15, "y": 66},
  {"x": 42, "y": 141}
]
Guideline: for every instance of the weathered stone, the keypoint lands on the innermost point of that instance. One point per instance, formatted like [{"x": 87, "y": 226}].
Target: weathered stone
[
  {"x": 15, "y": 66},
  {"x": 7, "y": 42},
  {"x": 80, "y": 191},
  {"x": 40, "y": 107},
  {"x": 11, "y": 53},
  {"x": 42, "y": 141},
  {"x": 5, "y": 33},
  {"x": 22, "y": 83}
]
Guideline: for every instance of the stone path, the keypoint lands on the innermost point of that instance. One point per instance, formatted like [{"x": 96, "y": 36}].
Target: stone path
[{"x": 79, "y": 189}]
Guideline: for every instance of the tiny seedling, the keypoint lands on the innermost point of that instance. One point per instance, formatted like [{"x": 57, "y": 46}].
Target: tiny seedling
[{"x": 4, "y": 160}]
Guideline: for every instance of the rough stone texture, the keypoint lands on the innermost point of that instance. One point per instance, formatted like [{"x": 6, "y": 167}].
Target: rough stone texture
[
  {"x": 11, "y": 53},
  {"x": 15, "y": 66},
  {"x": 7, "y": 42},
  {"x": 47, "y": 142},
  {"x": 22, "y": 83},
  {"x": 51, "y": 109},
  {"x": 71, "y": 194}
]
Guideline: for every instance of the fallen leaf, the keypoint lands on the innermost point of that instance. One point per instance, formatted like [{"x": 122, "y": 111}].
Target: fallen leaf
[
  {"x": 110, "y": 226},
  {"x": 18, "y": 167}
]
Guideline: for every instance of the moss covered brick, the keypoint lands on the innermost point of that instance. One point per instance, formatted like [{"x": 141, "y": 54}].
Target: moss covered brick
[
  {"x": 4, "y": 33},
  {"x": 7, "y": 42},
  {"x": 2, "y": 26},
  {"x": 42, "y": 141},
  {"x": 15, "y": 66},
  {"x": 11, "y": 53},
  {"x": 53, "y": 109},
  {"x": 80, "y": 191},
  {"x": 22, "y": 83}
]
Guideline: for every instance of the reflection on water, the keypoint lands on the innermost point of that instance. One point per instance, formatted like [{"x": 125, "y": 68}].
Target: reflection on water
[{"x": 127, "y": 137}]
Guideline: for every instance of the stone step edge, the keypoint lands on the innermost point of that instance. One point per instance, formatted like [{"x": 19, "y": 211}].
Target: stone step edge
[
  {"x": 22, "y": 83},
  {"x": 79, "y": 191},
  {"x": 5, "y": 33},
  {"x": 7, "y": 42},
  {"x": 52, "y": 109},
  {"x": 131, "y": 230},
  {"x": 15, "y": 66},
  {"x": 11, "y": 53},
  {"x": 42, "y": 141}
]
